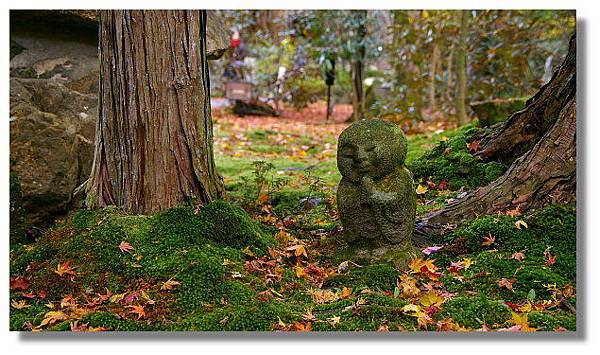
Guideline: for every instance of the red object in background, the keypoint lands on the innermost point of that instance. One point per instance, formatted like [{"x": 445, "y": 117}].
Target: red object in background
[{"x": 235, "y": 42}]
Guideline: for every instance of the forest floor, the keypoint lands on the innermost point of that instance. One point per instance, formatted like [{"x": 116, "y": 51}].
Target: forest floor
[{"x": 271, "y": 256}]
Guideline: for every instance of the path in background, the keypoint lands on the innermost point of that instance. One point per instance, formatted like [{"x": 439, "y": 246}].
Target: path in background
[{"x": 314, "y": 113}]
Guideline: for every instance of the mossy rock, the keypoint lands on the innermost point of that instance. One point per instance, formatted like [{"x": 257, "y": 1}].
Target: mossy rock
[{"x": 451, "y": 161}]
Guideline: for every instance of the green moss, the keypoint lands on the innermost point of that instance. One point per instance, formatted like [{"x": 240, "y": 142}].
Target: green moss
[
  {"x": 18, "y": 225},
  {"x": 380, "y": 276},
  {"x": 175, "y": 244},
  {"x": 232, "y": 226},
  {"x": 33, "y": 314},
  {"x": 451, "y": 161},
  {"x": 110, "y": 321},
  {"x": 473, "y": 312},
  {"x": 251, "y": 316},
  {"x": 548, "y": 322}
]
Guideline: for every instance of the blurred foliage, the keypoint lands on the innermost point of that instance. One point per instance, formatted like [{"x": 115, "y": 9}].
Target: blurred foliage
[{"x": 510, "y": 53}]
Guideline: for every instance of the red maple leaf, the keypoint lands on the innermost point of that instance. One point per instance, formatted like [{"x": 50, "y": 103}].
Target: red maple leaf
[{"x": 19, "y": 283}]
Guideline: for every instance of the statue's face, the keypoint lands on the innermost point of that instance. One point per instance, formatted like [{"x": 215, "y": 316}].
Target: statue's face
[{"x": 371, "y": 148}]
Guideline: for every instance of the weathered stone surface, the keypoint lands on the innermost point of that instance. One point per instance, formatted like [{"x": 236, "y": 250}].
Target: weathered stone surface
[
  {"x": 376, "y": 196},
  {"x": 51, "y": 141},
  {"x": 217, "y": 36}
]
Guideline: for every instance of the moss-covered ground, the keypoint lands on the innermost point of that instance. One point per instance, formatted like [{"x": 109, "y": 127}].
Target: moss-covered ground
[{"x": 267, "y": 257}]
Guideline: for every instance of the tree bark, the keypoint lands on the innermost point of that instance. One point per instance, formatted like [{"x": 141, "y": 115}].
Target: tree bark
[
  {"x": 154, "y": 139},
  {"x": 544, "y": 173},
  {"x": 461, "y": 69}
]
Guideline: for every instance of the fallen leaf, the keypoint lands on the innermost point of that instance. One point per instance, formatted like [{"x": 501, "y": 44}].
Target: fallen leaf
[
  {"x": 519, "y": 256},
  {"x": 302, "y": 327},
  {"x": 520, "y": 224},
  {"x": 550, "y": 259},
  {"x": 522, "y": 322},
  {"x": 489, "y": 240},
  {"x": 431, "y": 299},
  {"x": 504, "y": 282},
  {"x": 473, "y": 146},
  {"x": 53, "y": 317},
  {"x": 21, "y": 304},
  {"x": 334, "y": 321},
  {"x": 411, "y": 308},
  {"x": 298, "y": 250},
  {"x": 139, "y": 310},
  {"x": 431, "y": 250},
  {"x": 19, "y": 283},
  {"x": 408, "y": 286},
  {"x": 346, "y": 292},
  {"x": 125, "y": 247},
  {"x": 421, "y": 189},
  {"x": 169, "y": 284},
  {"x": 65, "y": 269}
]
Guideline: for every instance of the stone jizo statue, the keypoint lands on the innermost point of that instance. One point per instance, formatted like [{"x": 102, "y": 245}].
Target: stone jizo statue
[{"x": 376, "y": 196}]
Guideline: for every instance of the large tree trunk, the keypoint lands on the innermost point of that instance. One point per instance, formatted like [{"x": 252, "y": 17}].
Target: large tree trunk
[
  {"x": 154, "y": 133},
  {"x": 545, "y": 172}
]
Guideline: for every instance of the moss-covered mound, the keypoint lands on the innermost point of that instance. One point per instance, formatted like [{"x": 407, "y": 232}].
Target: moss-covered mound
[
  {"x": 217, "y": 269},
  {"x": 452, "y": 161},
  {"x": 183, "y": 258}
]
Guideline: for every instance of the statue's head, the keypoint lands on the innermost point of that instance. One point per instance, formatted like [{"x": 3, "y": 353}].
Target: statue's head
[{"x": 370, "y": 147}]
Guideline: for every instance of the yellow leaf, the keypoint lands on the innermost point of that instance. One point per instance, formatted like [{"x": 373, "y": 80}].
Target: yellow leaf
[
  {"x": 19, "y": 304},
  {"x": 411, "y": 308},
  {"x": 468, "y": 262},
  {"x": 53, "y": 317},
  {"x": 521, "y": 223},
  {"x": 522, "y": 321},
  {"x": 408, "y": 286},
  {"x": 146, "y": 297},
  {"x": 334, "y": 321},
  {"x": 298, "y": 250},
  {"x": 227, "y": 262},
  {"x": 300, "y": 273},
  {"x": 323, "y": 296},
  {"x": 248, "y": 252},
  {"x": 421, "y": 189},
  {"x": 169, "y": 284},
  {"x": 116, "y": 297},
  {"x": 431, "y": 299}
]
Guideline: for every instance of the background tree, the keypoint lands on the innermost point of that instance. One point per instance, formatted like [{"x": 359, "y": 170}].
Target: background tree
[
  {"x": 358, "y": 55},
  {"x": 153, "y": 145},
  {"x": 461, "y": 69}
]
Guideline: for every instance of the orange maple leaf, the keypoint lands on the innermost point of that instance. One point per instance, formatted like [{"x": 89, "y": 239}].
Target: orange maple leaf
[
  {"x": 65, "y": 269},
  {"x": 139, "y": 310}
]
